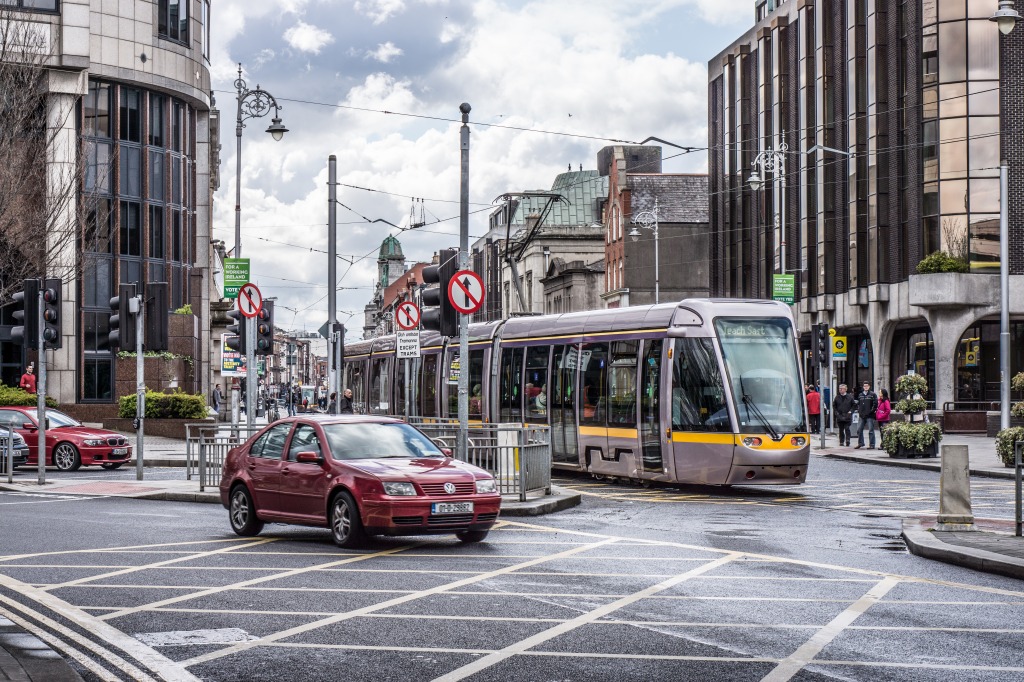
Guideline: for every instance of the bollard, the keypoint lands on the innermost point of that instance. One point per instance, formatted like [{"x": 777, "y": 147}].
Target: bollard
[{"x": 955, "y": 490}]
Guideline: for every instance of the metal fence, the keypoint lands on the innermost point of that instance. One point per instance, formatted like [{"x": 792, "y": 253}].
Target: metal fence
[
  {"x": 206, "y": 448},
  {"x": 519, "y": 457},
  {"x": 1018, "y": 471}
]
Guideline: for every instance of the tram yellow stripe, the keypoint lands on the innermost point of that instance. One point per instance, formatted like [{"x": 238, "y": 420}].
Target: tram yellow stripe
[
  {"x": 608, "y": 433},
  {"x": 700, "y": 437},
  {"x": 556, "y": 337}
]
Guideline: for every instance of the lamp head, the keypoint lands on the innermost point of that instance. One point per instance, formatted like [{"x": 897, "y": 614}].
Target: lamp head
[
  {"x": 1005, "y": 17},
  {"x": 755, "y": 181},
  {"x": 634, "y": 234},
  {"x": 277, "y": 129}
]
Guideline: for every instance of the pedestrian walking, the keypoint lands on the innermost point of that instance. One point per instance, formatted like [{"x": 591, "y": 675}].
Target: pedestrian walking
[
  {"x": 290, "y": 399},
  {"x": 867, "y": 407},
  {"x": 333, "y": 403},
  {"x": 814, "y": 408},
  {"x": 883, "y": 411},
  {"x": 345, "y": 404},
  {"x": 28, "y": 380},
  {"x": 216, "y": 399},
  {"x": 842, "y": 409}
]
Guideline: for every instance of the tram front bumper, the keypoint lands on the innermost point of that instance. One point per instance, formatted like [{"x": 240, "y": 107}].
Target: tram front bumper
[{"x": 767, "y": 474}]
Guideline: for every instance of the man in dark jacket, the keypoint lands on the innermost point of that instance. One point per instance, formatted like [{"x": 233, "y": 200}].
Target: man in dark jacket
[
  {"x": 867, "y": 406},
  {"x": 345, "y": 404},
  {"x": 842, "y": 407}
]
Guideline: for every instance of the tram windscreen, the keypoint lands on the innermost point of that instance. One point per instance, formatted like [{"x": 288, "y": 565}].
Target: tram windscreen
[{"x": 761, "y": 362}]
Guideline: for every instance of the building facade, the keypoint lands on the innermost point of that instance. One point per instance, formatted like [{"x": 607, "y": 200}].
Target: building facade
[
  {"x": 890, "y": 118},
  {"x": 127, "y": 109},
  {"x": 390, "y": 267}
]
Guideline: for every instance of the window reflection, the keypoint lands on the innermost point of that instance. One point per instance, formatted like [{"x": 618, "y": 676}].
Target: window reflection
[
  {"x": 984, "y": 243},
  {"x": 983, "y": 51},
  {"x": 953, "y": 196},
  {"x": 952, "y": 51},
  {"x": 984, "y": 146}
]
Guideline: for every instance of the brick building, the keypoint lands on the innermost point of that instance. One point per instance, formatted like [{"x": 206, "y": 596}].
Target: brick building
[{"x": 896, "y": 115}]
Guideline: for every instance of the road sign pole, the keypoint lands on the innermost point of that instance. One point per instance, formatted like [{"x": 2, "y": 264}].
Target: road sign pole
[
  {"x": 41, "y": 394},
  {"x": 463, "y": 440},
  {"x": 140, "y": 388},
  {"x": 250, "y": 373},
  {"x": 332, "y": 273}
]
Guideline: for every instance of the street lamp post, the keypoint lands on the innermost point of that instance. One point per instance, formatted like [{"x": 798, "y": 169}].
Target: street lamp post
[
  {"x": 649, "y": 221},
  {"x": 1006, "y": 18},
  {"x": 251, "y": 104},
  {"x": 774, "y": 161}
]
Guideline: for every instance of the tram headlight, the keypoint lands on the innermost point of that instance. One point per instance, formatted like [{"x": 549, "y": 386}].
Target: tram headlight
[
  {"x": 752, "y": 442},
  {"x": 798, "y": 441}
]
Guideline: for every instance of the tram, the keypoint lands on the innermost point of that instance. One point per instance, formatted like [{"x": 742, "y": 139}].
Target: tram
[{"x": 704, "y": 391}]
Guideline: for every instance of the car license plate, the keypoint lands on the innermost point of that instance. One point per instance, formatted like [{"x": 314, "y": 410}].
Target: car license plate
[
  {"x": 120, "y": 451},
  {"x": 451, "y": 508}
]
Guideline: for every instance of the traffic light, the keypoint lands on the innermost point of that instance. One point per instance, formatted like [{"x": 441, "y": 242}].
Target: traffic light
[
  {"x": 156, "y": 316},
  {"x": 821, "y": 343},
  {"x": 27, "y": 314},
  {"x": 51, "y": 312},
  {"x": 237, "y": 341},
  {"x": 265, "y": 329},
  {"x": 438, "y": 313},
  {"x": 122, "y": 324}
]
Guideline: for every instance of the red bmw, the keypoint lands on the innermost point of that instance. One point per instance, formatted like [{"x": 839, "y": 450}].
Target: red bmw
[
  {"x": 69, "y": 444},
  {"x": 358, "y": 476}
]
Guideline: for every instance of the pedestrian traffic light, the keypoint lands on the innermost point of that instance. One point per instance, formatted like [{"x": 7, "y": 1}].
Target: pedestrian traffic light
[
  {"x": 51, "y": 312},
  {"x": 27, "y": 314},
  {"x": 236, "y": 342},
  {"x": 821, "y": 343},
  {"x": 265, "y": 329},
  {"x": 122, "y": 322},
  {"x": 156, "y": 316},
  {"x": 438, "y": 313}
]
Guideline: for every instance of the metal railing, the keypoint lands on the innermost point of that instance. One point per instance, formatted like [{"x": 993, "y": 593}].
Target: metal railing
[
  {"x": 518, "y": 456},
  {"x": 206, "y": 448},
  {"x": 971, "y": 406},
  {"x": 1018, "y": 467}
]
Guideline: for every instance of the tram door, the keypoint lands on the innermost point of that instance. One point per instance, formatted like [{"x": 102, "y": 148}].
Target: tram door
[
  {"x": 608, "y": 421},
  {"x": 655, "y": 460},
  {"x": 562, "y": 401},
  {"x": 702, "y": 439}
]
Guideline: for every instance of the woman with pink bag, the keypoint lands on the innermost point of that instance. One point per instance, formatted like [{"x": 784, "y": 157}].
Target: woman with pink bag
[{"x": 884, "y": 409}]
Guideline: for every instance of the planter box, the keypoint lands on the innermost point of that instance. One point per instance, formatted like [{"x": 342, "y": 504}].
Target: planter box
[
  {"x": 166, "y": 428},
  {"x": 992, "y": 423},
  {"x": 931, "y": 451}
]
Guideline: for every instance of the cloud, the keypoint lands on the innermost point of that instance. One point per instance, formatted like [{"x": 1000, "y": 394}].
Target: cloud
[
  {"x": 379, "y": 10},
  {"x": 307, "y": 38},
  {"x": 385, "y": 52}
]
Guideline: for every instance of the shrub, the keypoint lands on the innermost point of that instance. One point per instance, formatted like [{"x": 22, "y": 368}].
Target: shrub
[
  {"x": 917, "y": 436},
  {"x": 940, "y": 261},
  {"x": 1004, "y": 443},
  {"x": 184, "y": 310},
  {"x": 912, "y": 388},
  {"x": 19, "y": 397},
  {"x": 175, "y": 405}
]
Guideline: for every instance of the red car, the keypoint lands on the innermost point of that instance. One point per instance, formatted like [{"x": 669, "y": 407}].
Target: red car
[
  {"x": 358, "y": 476},
  {"x": 69, "y": 445}
]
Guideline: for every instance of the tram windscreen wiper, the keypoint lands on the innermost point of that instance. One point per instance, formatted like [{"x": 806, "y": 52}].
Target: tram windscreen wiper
[{"x": 751, "y": 407}]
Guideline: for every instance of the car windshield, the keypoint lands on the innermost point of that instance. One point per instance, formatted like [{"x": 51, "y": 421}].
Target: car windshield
[
  {"x": 56, "y": 418},
  {"x": 761, "y": 360},
  {"x": 376, "y": 441}
]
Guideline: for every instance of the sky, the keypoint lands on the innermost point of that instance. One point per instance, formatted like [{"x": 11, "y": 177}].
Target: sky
[{"x": 378, "y": 83}]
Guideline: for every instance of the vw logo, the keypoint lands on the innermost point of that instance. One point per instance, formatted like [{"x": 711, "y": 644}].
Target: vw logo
[{"x": 449, "y": 488}]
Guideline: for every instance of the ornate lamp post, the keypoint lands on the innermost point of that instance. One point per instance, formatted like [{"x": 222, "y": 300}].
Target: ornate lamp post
[
  {"x": 774, "y": 161},
  {"x": 251, "y": 104},
  {"x": 648, "y": 220}
]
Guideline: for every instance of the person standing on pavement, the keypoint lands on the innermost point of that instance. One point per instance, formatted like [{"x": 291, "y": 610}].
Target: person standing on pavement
[
  {"x": 842, "y": 409},
  {"x": 884, "y": 410},
  {"x": 289, "y": 398},
  {"x": 332, "y": 404},
  {"x": 813, "y": 408},
  {"x": 28, "y": 380},
  {"x": 867, "y": 407},
  {"x": 345, "y": 404},
  {"x": 216, "y": 399}
]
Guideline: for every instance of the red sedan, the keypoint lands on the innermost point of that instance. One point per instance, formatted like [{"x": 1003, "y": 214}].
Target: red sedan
[
  {"x": 358, "y": 476},
  {"x": 69, "y": 444}
]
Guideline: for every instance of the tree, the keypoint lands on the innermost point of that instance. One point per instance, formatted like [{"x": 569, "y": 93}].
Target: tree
[{"x": 43, "y": 212}]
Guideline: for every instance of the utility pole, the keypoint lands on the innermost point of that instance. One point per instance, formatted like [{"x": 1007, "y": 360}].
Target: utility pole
[
  {"x": 463, "y": 440},
  {"x": 250, "y": 373},
  {"x": 333, "y": 371},
  {"x": 41, "y": 393},
  {"x": 140, "y": 387}
]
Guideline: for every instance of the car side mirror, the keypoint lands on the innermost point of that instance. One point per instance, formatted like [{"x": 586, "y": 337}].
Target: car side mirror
[
  {"x": 29, "y": 426},
  {"x": 447, "y": 452},
  {"x": 309, "y": 458}
]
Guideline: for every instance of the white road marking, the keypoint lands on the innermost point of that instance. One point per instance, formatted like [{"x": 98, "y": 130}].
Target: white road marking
[
  {"x": 797, "y": 660},
  {"x": 61, "y": 646},
  {"x": 584, "y": 619},
  {"x": 133, "y": 548},
  {"x": 195, "y": 637}
]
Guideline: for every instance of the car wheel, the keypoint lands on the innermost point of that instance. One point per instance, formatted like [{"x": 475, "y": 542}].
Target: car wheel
[
  {"x": 346, "y": 526},
  {"x": 112, "y": 465},
  {"x": 66, "y": 457},
  {"x": 242, "y": 513},
  {"x": 472, "y": 535}
]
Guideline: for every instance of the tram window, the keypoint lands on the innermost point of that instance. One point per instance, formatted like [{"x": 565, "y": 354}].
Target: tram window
[
  {"x": 698, "y": 396},
  {"x": 593, "y": 358},
  {"x": 428, "y": 386},
  {"x": 511, "y": 385},
  {"x": 400, "y": 387},
  {"x": 622, "y": 383},
  {"x": 451, "y": 379},
  {"x": 357, "y": 383},
  {"x": 476, "y": 384},
  {"x": 535, "y": 389},
  {"x": 563, "y": 378},
  {"x": 380, "y": 385}
]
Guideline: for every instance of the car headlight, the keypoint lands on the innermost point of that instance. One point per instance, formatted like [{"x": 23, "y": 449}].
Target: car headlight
[
  {"x": 486, "y": 485},
  {"x": 94, "y": 442},
  {"x": 398, "y": 488}
]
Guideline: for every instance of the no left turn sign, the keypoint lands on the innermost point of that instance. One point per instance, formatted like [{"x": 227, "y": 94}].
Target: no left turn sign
[
  {"x": 250, "y": 300},
  {"x": 466, "y": 291}
]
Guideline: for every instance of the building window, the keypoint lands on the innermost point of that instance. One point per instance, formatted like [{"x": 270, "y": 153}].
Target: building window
[
  {"x": 172, "y": 19},
  {"x": 32, "y": 5},
  {"x": 131, "y": 115},
  {"x": 205, "y": 8},
  {"x": 131, "y": 229}
]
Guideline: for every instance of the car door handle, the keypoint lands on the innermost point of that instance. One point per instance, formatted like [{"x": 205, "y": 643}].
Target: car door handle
[
  {"x": 285, "y": 470},
  {"x": 252, "y": 465}
]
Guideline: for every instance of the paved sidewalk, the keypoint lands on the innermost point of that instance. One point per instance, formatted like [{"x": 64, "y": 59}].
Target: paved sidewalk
[
  {"x": 26, "y": 658},
  {"x": 991, "y": 548},
  {"x": 982, "y": 453}
]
